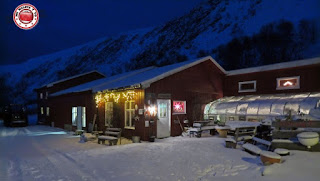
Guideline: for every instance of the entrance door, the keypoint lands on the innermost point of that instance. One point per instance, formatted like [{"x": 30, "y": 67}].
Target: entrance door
[
  {"x": 79, "y": 117},
  {"x": 164, "y": 118}
]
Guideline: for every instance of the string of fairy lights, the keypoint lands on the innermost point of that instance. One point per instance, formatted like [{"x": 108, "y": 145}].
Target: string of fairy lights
[{"x": 114, "y": 96}]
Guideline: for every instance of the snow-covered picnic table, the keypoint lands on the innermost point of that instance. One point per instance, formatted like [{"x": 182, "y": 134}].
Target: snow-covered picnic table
[{"x": 238, "y": 124}]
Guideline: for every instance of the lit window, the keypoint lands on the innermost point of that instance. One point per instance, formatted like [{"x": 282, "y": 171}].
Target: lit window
[
  {"x": 48, "y": 111},
  {"x": 248, "y": 86},
  {"x": 288, "y": 83},
  {"x": 74, "y": 116},
  {"x": 41, "y": 95},
  {"x": 129, "y": 114},
  {"x": 41, "y": 110},
  {"x": 108, "y": 113},
  {"x": 82, "y": 113},
  {"x": 163, "y": 110},
  {"x": 179, "y": 107},
  {"x": 83, "y": 116}
]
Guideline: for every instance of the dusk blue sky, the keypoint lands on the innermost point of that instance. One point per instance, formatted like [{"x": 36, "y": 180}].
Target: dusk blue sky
[{"x": 67, "y": 23}]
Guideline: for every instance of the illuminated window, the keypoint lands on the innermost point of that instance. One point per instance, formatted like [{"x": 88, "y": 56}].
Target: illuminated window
[
  {"x": 41, "y": 110},
  {"x": 74, "y": 116},
  {"x": 81, "y": 111},
  {"x": 248, "y": 86},
  {"x": 288, "y": 83},
  {"x": 179, "y": 107},
  {"x": 83, "y": 116},
  {"x": 41, "y": 95},
  {"x": 108, "y": 113},
  {"x": 129, "y": 112},
  {"x": 163, "y": 110},
  {"x": 48, "y": 111}
]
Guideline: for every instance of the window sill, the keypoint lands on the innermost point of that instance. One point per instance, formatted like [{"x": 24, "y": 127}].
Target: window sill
[
  {"x": 288, "y": 88},
  {"x": 132, "y": 128},
  {"x": 178, "y": 113},
  {"x": 253, "y": 90}
]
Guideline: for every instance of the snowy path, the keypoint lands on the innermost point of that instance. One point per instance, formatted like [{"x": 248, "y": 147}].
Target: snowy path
[{"x": 44, "y": 153}]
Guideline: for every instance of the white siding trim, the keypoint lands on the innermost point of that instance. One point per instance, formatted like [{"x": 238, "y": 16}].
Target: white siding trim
[{"x": 248, "y": 82}]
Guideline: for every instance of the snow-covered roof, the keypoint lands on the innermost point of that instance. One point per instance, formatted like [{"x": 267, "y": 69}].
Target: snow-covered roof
[
  {"x": 99, "y": 82},
  {"x": 143, "y": 77},
  {"x": 69, "y": 78},
  {"x": 276, "y": 66}
]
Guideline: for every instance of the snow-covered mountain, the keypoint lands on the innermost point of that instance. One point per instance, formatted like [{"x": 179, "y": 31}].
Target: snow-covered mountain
[{"x": 204, "y": 28}]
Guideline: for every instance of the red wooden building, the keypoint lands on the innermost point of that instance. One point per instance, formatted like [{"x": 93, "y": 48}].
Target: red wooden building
[
  {"x": 156, "y": 101},
  {"x": 153, "y": 101},
  {"x": 270, "y": 92},
  {"x": 288, "y": 77},
  {"x": 45, "y": 91}
]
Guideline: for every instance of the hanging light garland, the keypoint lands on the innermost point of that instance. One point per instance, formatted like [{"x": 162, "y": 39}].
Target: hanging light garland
[
  {"x": 116, "y": 96},
  {"x": 129, "y": 95},
  {"x": 98, "y": 98}
]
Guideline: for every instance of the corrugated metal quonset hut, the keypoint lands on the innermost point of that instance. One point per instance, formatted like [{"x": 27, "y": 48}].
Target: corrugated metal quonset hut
[{"x": 259, "y": 107}]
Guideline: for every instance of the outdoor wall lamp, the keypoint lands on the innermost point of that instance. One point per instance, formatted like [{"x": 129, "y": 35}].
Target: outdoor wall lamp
[{"x": 152, "y": 110}]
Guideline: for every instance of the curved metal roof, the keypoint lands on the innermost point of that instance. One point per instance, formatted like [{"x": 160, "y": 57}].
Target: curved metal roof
[{"x": 264, "y": 105}]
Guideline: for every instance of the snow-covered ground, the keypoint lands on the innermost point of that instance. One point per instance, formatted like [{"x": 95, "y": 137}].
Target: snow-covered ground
[{"x": 45, "y": 153}]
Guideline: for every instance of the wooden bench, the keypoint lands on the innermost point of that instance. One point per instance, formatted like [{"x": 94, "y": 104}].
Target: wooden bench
[
  {"x": 195, "y": 130},
  {"x": 244, "y": 133},
  {"x": 261, "y": 141},
  {"x": 112, "y": 135}
]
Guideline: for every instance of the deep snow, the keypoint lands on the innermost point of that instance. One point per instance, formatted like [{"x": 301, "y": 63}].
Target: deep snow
[{"x": 45, "y": 153}]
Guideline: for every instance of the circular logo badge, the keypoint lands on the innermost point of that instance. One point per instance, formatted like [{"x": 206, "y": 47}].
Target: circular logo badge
[{"x": 26, "y": 16}]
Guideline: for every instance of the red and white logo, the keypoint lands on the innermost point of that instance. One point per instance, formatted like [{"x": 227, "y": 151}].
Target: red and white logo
[{"x": 26, "y": 16}]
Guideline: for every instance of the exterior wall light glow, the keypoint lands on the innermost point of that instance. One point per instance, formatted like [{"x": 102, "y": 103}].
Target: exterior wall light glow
[
  {"x": 152, "y": 110},
  {"x": 98, "y": 99}
]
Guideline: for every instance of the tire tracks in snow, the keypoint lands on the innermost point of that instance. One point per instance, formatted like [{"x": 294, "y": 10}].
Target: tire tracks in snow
[
  {"x": 13, "y": 162},
  {"x": 68, "y": 167}
]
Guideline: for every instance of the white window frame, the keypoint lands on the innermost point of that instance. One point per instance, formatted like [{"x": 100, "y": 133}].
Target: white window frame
[
  {"x": 297, "y": 86},
  {"x": 74, "y": 112},
  {"x": 48, "y": 111},
  {"x": 248, "y": 82},
  {"x": 41, "y": 110},
  {"x": 107, "y": 112},
  {"x": 130, "y": 110}
]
